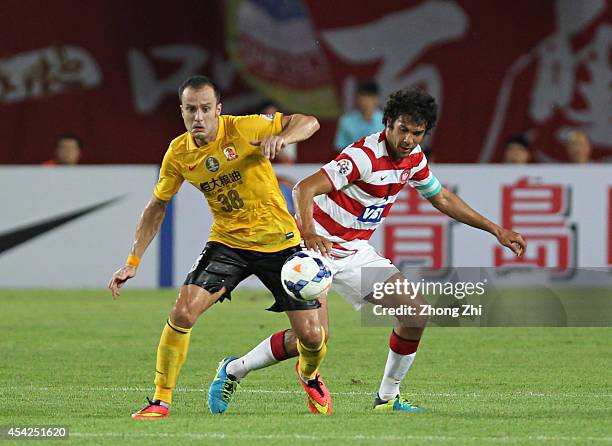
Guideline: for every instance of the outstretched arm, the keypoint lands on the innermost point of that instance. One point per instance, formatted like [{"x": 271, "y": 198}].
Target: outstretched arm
[
  {"x": 296, "y": 128},
  {"x": 303, "y": 194},
  {"x": 148, "y": 226},
  {"x": 453, "y": 206}
]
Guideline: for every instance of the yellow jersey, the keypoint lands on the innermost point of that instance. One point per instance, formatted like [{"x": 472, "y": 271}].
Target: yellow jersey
[{"x": 238, "y": 182}]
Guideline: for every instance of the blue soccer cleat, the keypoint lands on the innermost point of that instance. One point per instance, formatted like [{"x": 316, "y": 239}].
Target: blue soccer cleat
[
  {"x": 398, "y": 404},
  {"x": 222, "y": 388}
]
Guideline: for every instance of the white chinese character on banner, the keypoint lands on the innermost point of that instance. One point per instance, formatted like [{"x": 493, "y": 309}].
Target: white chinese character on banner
[
  {"x": 430, "y": 23},
  {"x": 46, "y": 71},
  {"x": 149, "y": 90},
  {"x": 556, "y": 86}
]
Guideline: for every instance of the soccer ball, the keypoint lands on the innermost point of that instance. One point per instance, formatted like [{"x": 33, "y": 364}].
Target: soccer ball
[{"x": 306, "y": 275}]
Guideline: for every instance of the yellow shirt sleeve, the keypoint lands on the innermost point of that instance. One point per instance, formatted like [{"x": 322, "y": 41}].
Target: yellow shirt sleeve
[
  {"x": 257, "y": 127},
  {"x": 170, "y": 178}
]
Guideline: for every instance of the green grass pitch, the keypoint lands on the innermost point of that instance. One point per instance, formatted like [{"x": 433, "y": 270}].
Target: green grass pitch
[{"x": 80, "y": 359}]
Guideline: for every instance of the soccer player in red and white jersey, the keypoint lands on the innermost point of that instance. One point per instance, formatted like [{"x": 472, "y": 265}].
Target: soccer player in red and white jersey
[{"x": 338, "y": 209}]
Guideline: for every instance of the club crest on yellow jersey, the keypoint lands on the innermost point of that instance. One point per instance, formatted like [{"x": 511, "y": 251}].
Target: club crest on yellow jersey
[{"x": 230, "y": 152}]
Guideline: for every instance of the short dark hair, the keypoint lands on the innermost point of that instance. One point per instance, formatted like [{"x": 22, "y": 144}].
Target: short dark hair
[
  {"x": 368, "y": 88},
  {"x": 414, "y": 103},
  {"x": 196, "y": 82},
  {"x": 74, "y": 136},
  {"x": 519, "y": 139}
]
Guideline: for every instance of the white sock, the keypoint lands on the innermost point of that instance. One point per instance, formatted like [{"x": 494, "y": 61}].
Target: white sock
[
  {"x": 258, "y": 358},
  {"x": 395, "y": 369}
]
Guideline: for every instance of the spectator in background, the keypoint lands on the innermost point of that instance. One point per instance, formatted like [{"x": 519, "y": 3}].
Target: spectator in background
[
  {"x": 578, "y": 146},
  {"x": 517, "y": 150},
  {"x": 365, "y": 120},
  {"x": 289, "y": 153},
  {"x": 68, "y": 148}
]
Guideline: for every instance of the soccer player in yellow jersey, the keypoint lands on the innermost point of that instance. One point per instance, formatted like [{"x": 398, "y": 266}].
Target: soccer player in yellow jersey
[{"x": 227, "y": 159}]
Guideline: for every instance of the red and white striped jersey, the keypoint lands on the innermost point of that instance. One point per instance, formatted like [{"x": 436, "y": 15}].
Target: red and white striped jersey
[{"x": 366, "y": 183}]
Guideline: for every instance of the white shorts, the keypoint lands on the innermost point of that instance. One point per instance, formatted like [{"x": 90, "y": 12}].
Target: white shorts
[{"x": 347, "y": 270}]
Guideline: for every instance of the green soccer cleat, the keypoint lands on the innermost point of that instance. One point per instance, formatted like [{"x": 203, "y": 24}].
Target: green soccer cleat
[
  {"x": 398, "y": 404},
  {"x": 222, "y": 388}
]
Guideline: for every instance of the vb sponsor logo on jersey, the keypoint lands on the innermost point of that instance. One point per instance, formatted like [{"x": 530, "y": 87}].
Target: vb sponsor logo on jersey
[{"x": 372, "y": 214}]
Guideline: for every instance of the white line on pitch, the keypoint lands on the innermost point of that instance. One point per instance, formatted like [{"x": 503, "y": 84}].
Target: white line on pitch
[
  {"x": 354, "y": 393},
  {"x": 356, "y": 437}
]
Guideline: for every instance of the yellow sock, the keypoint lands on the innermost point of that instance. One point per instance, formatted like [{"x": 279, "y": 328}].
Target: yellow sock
[
  {"x": 171, "y": 354},
  {"x": 311, "y": 359}
]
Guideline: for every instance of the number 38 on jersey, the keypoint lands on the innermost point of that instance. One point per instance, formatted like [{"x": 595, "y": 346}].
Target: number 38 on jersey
[{"x": 230, "y": 201}]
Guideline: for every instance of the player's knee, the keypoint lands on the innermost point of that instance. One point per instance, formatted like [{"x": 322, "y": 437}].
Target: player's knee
[
  {"x": 421, "y": 320},
  {"x": 417, "y": 321},
  {"x": 415, "y": 318},
  {"x": 183, "y": 316},
  {"x": 311, "y": 337}
]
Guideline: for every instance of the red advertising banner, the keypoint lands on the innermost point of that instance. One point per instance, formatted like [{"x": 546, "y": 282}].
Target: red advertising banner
[
  {"x": 109, "y": 71},
  {"x": 540, "y": 212}
]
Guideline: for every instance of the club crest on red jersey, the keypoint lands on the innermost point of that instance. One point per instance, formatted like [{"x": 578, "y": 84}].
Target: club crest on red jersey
[
  {"x": 404, "y": 176},
  {"x": 345, "y": 167}
]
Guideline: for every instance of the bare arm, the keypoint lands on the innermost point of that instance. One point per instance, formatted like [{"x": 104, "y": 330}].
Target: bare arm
[
  {"x": 296, "y": 128},
  {"x": 150, "y": 220},
  {"x": 453, "y": 206},
  {"x": 303, "y": 195}
]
